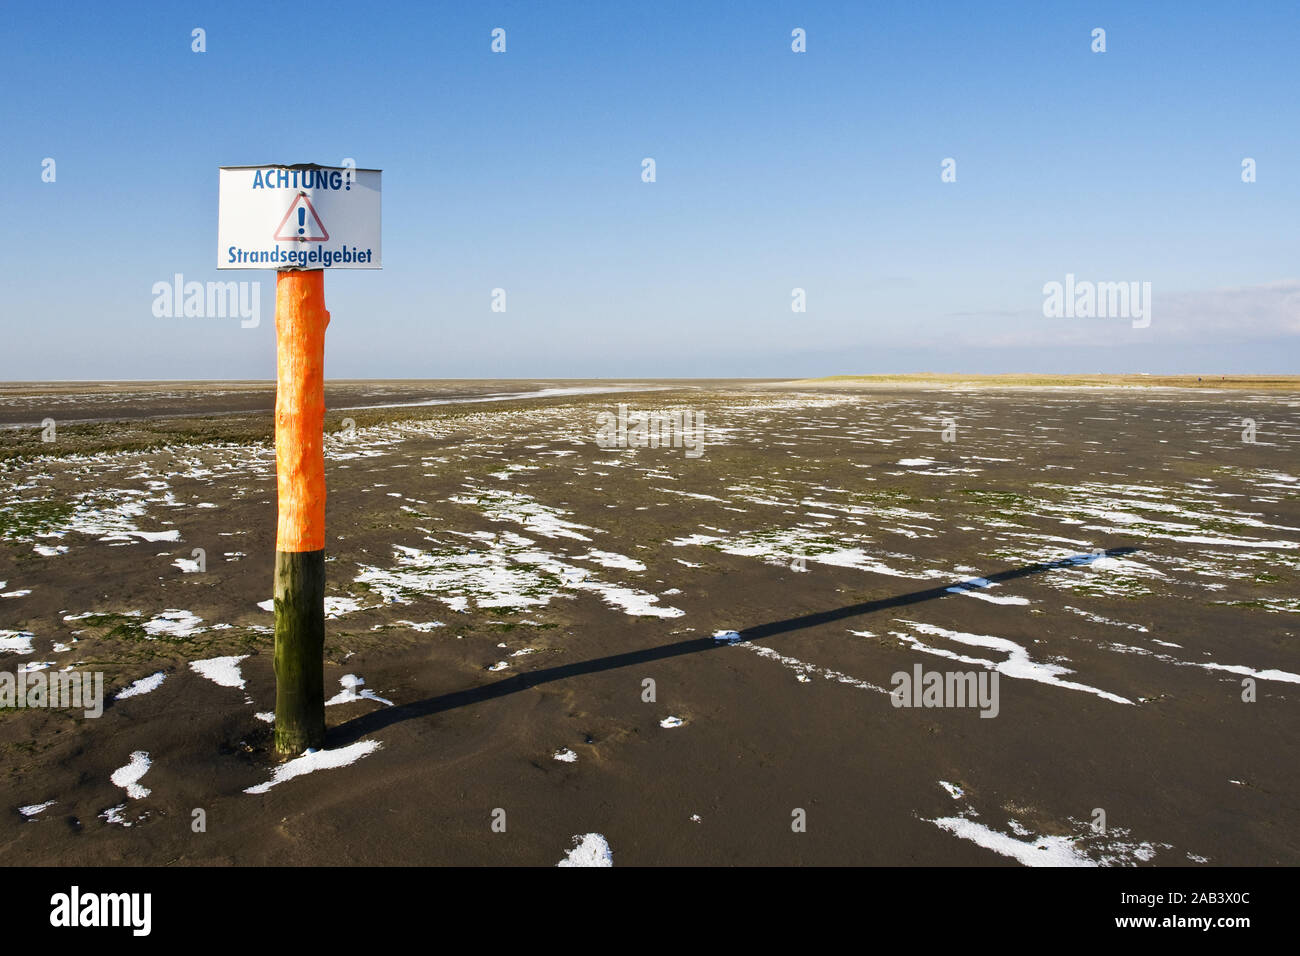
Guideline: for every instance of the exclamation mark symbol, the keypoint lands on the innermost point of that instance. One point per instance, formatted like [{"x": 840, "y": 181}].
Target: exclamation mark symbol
[{"x": 302, "y": 220}]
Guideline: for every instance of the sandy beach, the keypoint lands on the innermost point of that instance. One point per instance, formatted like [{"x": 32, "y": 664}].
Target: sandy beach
[{"x": 501, "y": 588}]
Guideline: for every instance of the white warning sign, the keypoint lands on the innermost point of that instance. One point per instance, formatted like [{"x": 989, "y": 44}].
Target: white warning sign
[{"x": 298, "y": 217}]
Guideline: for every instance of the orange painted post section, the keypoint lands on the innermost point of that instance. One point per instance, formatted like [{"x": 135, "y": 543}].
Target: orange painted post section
[{"x": 300, "y": 323}]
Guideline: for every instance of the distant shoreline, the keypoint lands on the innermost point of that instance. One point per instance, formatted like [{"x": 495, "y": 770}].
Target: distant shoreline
[{"x": 926, "y": 380}]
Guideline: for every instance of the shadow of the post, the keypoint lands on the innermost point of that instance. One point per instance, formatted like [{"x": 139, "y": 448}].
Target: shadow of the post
[{"x": 377, "y": 720}]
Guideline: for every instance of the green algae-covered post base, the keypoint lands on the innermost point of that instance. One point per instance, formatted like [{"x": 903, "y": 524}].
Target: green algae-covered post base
[{"x": 299, "y": 651}]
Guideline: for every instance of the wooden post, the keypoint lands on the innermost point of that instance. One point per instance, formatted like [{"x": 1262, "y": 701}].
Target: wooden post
[{"x": 300, "y": 321}]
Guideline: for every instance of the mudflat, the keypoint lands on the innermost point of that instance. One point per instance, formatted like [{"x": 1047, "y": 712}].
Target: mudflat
[{"x": 538, "y": 636}]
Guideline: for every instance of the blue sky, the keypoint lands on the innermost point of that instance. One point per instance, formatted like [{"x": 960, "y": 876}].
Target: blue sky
[{"x": 775, "y": 170}]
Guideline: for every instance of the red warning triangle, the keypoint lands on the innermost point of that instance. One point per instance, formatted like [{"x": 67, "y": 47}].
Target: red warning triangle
[{"x": 301, "y": 223}]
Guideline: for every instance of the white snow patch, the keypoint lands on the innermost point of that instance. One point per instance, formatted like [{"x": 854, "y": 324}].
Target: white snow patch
[
  {"x": 1016, "y": 665},
  {"x": 423, "y": 627},
  {"x": 589, "y": 849},
  {"x": 350, "y": 692},
  {"x": 128, "y": 777},
  {"x": 1271, "y": 674},
  {"x": 501, "y": 505},
  {"x": 16, "y": 642},
  {"x": 143, "y": 686},
  {"x": 972, "y": 588},
  {"x": 1039, "y": 851},
  {"x": 630, "y": 600},
  {"x": 336, "y": 607},
  {"x": 174, "y": 623},
  {"x": 609, "y": 559},
  {"x": 314, "y": 760},
  {"x": 114, "y": 815},
  {"x": 221, "y": 670}
]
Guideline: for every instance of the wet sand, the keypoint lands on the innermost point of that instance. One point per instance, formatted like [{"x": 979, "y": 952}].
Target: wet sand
[{"x": 1122, "y": 560}]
